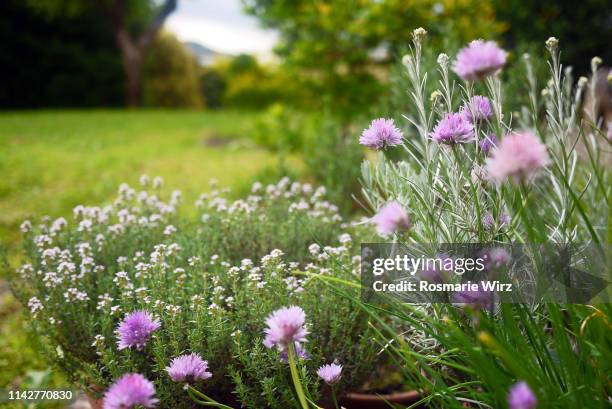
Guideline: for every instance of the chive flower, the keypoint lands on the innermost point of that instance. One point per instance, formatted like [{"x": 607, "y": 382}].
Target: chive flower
[
  {"x": 136, "y": 329},
  {"x": 391, "y": 218},
  {"x": 285, "y": 325},
  {"x": 330, "y": 373},
  {"x": 130, "y": 391},
  {"x": 521, "y": 396},
  {"x": 479, "y": 60},
  {"x": 488, "y": 143},
  {"x": 453, "y": 129},
  {"x": 188, "y": 368},
  {"x": 518, "y": 157},
  {"x": 478, "y": 109},
  {"x": 381, "y": 134}
]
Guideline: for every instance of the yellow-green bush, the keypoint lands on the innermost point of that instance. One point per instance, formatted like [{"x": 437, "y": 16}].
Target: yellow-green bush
[{"x": 172, "y": 77}]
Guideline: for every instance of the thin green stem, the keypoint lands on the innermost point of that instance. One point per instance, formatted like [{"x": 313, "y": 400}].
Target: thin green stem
[
  {"x": 295, "y": 376},
  {"x": 334, "y": 398},
  {"x": 207, "y": 401}
]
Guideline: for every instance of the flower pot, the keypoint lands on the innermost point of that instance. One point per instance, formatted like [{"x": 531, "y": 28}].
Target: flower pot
[
  {"x": 374, "y": 401},
  {"x": 349, "y": 401}
]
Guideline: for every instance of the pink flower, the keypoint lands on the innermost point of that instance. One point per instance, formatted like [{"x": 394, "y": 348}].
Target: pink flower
[
  {"x": 331, "y": 373},
  {"x": 477, "y": 110},
  {"x": 381, "y": 134},
  {"x": 285, "y": 325},
  {"x": 479, "y": 60},
  {"x": 521, "y": 397},
  {"x": 453, "y": 129},
  {"x": 129, "y": 391},
  {"x": 136, "y": 329},
  {"x": 188, "y": 368},
  {"x": 489, "y": 142},
  {"x": 391, "y": 218},
  {"x": 300, "y": 353},
  {"x": 519, "y": 156},
  {"x": 474, "y": 299}
]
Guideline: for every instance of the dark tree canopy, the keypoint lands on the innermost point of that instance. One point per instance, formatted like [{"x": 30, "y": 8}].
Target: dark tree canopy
[
  {"x": 583, "y": 27},
  {"x": 59, "y": 61}
]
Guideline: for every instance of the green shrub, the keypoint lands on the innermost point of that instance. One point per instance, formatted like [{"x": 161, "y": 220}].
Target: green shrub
[
  {"x": 171, "y": 75},
  {"x": 211, "y": 282},
  {"x": 330, "y": 152},
  {"x": 213, "y": 87},
  {"x": 281, "y": 128}
]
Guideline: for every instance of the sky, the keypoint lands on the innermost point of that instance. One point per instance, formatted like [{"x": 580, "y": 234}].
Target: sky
[{"x": 220, "y": 25}]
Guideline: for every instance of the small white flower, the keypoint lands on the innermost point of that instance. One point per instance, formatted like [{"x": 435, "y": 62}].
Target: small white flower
[
  {"x": 169, "y": 230},
  {"x": 158, "y": 182},
  {"x": 35, "y": 306},
  {"x": 26, "y": 226}
]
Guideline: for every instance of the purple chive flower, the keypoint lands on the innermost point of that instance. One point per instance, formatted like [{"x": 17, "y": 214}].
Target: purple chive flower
[
  {"x": 488, "y": 143},
  {"x": 381, "y": 134},
  {"x": 496, "y": 257},
  {"x": 453, "y": 129},
  {"x": 129, "y": 391},
  {"x": 504, "y": 219},
  {"x": 437, "y": 273},
  {"x": 474, "y": 299},
  {"x": 330, "y": 373},
  {"x": 285, "y": 325},
  {"x": 391, "y": 218},
  {"x": 188, "y": 368},
  {"x": 479, "y": 60},
  {"x": 136, "y": 329},
  {"x": 521, "y": 397},
  {"x": 488, "y": 221},
  {"x": 519, "y": 156},
  {"x": 477, "y": 110},
  {"x": 300, "y": 351}
]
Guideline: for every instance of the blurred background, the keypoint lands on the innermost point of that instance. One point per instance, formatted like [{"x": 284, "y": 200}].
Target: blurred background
[{"x": 97, "y": 92}]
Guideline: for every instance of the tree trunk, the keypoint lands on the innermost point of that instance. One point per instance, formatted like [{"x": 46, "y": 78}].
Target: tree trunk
[
  {"x": 134, "y": 50},
  {"x": 132, "y": 57},
  {"x": 133, "y": 66}
]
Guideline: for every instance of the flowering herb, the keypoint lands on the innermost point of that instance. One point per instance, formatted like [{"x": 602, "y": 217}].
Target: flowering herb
[
  {"x": 136, "y": 329},
  {"x": 453, "y": 129},
  {"x": 479, "y": 60},
  {"x": 188, "y": 368},
  {"x": 519, "y": 157},
  {"x": 130, "y": 391},
  {"x": 381, "y": 134},
  {"x": 391, "y": 218}
]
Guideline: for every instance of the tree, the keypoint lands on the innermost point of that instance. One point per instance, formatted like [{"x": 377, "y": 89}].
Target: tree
[
  {"x": 134, "y": 46},
  {"x": 342, "y": 49},
  {"x": 172, "y": 75},
  {"x": 584, "y": 28},
  {"x": 134, "y": 24},
  {"x": 49, "y": 62}
]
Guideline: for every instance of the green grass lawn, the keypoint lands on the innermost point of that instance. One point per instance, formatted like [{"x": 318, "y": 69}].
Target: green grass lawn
[{"x": 50, "y": 161}]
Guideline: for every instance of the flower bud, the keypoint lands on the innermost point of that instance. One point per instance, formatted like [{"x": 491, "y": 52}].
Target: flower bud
[
  {"x": 435, "y": 96},
  {"x": 552, "y": 44},
  {"x": 595, "y": 63},
  {"x": 443, "y": 60},
  {"x": 407, "y": 60},
  {"x": 419, "y": 34}
]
